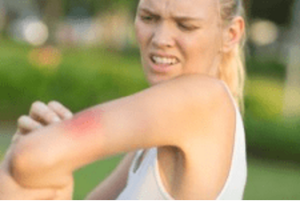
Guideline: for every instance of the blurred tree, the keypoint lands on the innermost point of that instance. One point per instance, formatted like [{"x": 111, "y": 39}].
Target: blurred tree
[
  {"x": 52, "y": 11},
  {"x": 278, "y": 11},
  {"x": 116, "y": 20},
  {"x": 107, "y": 6},
  {"x": 78, "y": 9},
  {"x": 292, "y": 89}
]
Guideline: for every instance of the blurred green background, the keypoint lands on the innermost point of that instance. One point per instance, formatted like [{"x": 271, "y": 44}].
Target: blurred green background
[{"x": 83, "y": 53}]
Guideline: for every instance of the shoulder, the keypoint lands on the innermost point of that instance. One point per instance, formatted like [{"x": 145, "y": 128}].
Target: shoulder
[
  {"x": 198, "y": 84},
  {"x": 209, "y": 108},
  {"x": 207, "y": 93},
  {"x": 213, "y": 99},
  {"x": 196, "y": 92},
  {"x": 192, "y": 104}
]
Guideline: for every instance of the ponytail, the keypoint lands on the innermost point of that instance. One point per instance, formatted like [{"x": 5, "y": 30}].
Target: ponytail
[{"x": 232, "y": 70}]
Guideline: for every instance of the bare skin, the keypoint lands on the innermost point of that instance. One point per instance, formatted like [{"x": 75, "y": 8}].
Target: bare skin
[
  {"x": 47, "y": 157},
  {"x": 86, "y": 123},
  {"x": 40, "y": 115},
  {"x": 188, "y": 114}
]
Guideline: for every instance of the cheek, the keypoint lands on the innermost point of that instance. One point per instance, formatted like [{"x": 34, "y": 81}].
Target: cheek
[
  {"x": 193, "y": 48},
  {"x": 84, "y": 124},
  {"x": 143, "y": 34},
  {"x": 198, "y": 51}
]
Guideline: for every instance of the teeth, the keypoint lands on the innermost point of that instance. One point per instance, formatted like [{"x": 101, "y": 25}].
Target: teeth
[{"x": 164, "y": 60}]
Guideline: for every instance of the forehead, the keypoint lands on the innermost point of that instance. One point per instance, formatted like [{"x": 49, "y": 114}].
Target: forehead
[{"x": 190, "y": 8}]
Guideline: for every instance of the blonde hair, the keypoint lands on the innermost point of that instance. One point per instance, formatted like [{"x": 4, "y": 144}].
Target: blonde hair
[{"x": 232, "y": 70}]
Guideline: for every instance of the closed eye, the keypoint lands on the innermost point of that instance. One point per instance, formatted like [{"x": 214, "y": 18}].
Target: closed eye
[
  {"x": 147, "y": 18},
  {"x": 187, "y": 27}
]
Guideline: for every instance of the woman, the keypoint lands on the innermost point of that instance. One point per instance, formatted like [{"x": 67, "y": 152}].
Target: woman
[{"x": 184, "y": 135}]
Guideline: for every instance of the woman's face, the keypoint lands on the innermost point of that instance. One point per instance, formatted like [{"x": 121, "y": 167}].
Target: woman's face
[{"x": 178, "y": 37}]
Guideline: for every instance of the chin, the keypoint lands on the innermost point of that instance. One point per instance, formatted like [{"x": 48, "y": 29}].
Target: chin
[{"x": 154, "y": 79}]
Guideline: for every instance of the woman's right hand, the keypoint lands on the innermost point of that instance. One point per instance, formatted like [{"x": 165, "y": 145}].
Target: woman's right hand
[{"x": 41, "y": 115}]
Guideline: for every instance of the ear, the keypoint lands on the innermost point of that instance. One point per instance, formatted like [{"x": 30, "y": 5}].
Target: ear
[{"x": 233, "y": 34}]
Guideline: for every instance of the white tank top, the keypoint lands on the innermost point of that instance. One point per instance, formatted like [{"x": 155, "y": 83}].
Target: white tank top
[{"x": 146, "y": 184}]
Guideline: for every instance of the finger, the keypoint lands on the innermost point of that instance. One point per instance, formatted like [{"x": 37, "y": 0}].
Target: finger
[
  {"x": 27, "y": 124},
  {"x": 42, "y": 113},
  {"x": 61, "y": 110}
]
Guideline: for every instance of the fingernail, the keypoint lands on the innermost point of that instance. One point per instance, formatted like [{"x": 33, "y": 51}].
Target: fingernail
[
  {"x": 68, "y": 115},
  {"x": 27, "y": 121}
]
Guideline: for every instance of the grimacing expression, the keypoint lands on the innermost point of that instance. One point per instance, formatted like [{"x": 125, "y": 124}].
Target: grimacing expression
[{"x": 178, "y": 37}]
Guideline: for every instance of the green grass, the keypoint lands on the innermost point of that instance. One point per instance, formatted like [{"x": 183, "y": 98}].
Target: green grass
[
  {"x": 271, "y": 180},
  {"x": 89, "y": 177}
]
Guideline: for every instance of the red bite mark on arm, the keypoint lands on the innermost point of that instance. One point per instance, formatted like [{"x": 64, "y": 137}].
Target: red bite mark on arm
[{"x": 84, "y": 123}]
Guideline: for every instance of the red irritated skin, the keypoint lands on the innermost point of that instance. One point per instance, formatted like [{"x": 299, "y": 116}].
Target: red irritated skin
[
  {"x": 85, "y": 123},
  {"x": 58, "y": 147}
]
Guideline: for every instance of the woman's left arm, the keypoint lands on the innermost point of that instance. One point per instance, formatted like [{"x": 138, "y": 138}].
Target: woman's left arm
[{"x": 170, "y": 113}]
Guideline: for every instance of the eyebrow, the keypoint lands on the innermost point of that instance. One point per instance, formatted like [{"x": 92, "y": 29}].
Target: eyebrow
[{"x": 178, "y": 18}]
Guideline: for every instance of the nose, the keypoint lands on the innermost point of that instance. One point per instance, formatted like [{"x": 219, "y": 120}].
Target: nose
[{"x": 163, "y": 37}]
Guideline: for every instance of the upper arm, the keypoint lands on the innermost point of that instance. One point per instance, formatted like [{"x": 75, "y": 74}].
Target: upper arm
[
  {"x": 166, "y": 114},
  {"x": 113, "y": 185}
]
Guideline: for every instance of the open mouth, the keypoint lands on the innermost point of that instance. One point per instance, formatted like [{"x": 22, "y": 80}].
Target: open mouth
[{"x": 164, "y": 60}]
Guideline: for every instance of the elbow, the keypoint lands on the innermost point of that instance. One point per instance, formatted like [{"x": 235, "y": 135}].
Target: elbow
[{"x": 29, "y": 164}]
